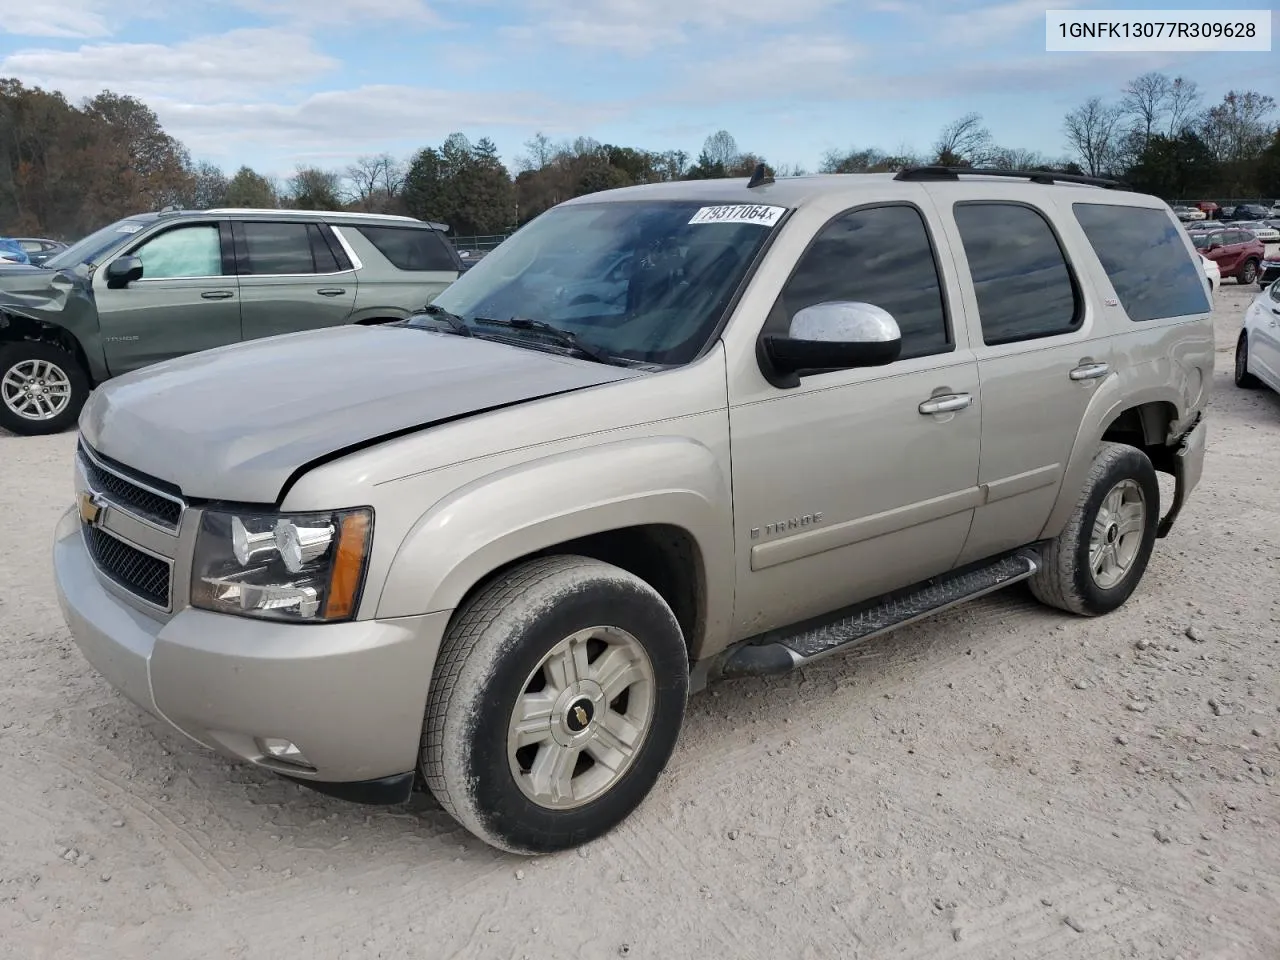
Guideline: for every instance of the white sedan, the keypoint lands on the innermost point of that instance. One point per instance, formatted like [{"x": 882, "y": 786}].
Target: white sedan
[
  {"x": 1212, "y": 273},
  {"x": 1258, "y": 349}
]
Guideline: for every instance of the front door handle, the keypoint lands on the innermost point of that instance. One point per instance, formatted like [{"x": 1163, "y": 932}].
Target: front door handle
[
  {"x": 331, "y": 291},
  {"x": 217, "y": 295},
  {"x": 1090, "y": 371},
  {"x": 946, "y": 404}
]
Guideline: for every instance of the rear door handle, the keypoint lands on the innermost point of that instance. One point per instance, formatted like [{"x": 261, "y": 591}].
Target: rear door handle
[
  {"x": 946, "y": 404},
  {"x": 217, "y": 294},
  {"x": 331, "y": 291},
  {"x": 1090, "y": 371}
]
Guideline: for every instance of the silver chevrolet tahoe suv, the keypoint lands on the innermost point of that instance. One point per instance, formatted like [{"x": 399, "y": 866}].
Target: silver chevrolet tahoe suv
[{"x": 662, "y": 435}]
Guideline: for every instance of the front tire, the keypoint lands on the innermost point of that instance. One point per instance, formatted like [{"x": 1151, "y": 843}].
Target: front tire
[
  {"x": 42, "y": 388},
  {"x": 1097, "y": 561},
  {"x": 557, "y": 700},
  {"x": 1244, "y": 379}
]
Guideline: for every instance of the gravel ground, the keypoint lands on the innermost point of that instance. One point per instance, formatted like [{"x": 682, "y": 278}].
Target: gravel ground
[{"x": 1000, "y": 781}]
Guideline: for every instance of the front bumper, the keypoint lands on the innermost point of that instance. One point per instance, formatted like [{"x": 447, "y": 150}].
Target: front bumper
[
  {"x": 1268, "y": 272},
  {"x": 351, "y": 696}
]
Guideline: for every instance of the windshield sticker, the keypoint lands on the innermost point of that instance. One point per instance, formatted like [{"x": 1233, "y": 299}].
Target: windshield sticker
[
  {"x": 129, "y": 228},
  {"x": 740, "y": 213}
]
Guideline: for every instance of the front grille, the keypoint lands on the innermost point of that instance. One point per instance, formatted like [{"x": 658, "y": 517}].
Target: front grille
[
  {"x": 134, "y": 498},
  {"x": 129, "y": 567}
]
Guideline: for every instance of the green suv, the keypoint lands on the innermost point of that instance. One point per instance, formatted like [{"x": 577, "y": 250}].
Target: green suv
[{"x": 160, "y": 285}]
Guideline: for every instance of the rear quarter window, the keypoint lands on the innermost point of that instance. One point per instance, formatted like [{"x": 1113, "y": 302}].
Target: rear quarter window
[
  {"x": 1146, "y": 259},
  {"x": 411, "y": 248}
]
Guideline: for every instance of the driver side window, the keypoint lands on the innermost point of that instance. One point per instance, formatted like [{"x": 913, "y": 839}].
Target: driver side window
[
  {"x": 877, "y": 255},
  {"x": 192, "y": 251}
]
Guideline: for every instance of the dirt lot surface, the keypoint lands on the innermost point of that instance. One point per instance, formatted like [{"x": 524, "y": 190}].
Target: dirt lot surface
[{"x": 1001, "y": 781}]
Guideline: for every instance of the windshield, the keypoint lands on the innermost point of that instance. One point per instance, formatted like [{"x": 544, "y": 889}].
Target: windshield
[
  {"x": 95, "y": 246},
  {"x": 644, "y": 281}
]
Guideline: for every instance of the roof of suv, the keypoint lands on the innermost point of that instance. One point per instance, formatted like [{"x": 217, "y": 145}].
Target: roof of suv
[
  {"x": 329, "y": 216},
  {"x": 797, "y": 191}
]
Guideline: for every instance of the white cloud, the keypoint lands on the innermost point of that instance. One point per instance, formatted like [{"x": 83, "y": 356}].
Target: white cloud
[
  {"x": 995, "y": 23},
  {"x": 63, "y": 18},
  {"x": 343, "y": 124},
  {"x": 638, "y": 26},
  {"x": 778, "y": 68},
  {"x": 241, "y": 63},
  {"x": 329, "y": 12}
]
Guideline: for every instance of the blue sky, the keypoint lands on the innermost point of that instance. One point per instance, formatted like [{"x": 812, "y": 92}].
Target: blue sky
[{"x": 275, "y": 83}]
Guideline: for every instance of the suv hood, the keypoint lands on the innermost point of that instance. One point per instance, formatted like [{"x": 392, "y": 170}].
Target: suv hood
[{"x": 235, "y": 423}]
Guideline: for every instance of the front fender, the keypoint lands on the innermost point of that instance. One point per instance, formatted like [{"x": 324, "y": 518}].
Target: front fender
[
  {"x": 1113, "y": 396},
  {"x": 535, "y": 505}
]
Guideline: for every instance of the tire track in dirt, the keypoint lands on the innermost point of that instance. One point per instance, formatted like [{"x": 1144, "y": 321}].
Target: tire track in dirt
[{"x": 190, "y": 850}]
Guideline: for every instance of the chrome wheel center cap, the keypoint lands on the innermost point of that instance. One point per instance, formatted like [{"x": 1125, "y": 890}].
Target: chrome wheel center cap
[{"x": 576, "y": 711}]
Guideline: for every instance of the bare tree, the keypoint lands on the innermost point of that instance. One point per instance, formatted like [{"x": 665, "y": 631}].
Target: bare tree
[
  {"x": 966, "y": 141},
  {"x": 311, "y": 188},
  {"x": 721, "y": 148},
  {"x": 1016, "y": 158},
  {"x": 1092, "y": 130},
  {"x": 1146, "y": 101},
  {"x": 374, "y": 180},
  {"x": 1184, "y": 104},
  {"x": 539, "y": 152}
]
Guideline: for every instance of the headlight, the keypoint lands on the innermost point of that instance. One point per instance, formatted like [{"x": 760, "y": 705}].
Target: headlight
[{"x": 298, "y": 567}]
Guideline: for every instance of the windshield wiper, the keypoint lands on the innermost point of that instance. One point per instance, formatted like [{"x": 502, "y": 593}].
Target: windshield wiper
[
  {"x": 563, "y": 337},
  {"x": 456, "y": 323}
]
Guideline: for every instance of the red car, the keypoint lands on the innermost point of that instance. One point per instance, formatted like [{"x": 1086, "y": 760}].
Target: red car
[{"x": 1237, "y": 253}]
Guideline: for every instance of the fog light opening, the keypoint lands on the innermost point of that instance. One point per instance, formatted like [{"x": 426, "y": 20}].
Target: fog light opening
[{"x": 283, "y": 751}]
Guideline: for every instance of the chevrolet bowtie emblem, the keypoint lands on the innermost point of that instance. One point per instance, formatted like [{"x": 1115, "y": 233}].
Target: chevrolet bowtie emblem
[
  {"x": 581, "y": 715},
  {"x": 90, "y": 508}
]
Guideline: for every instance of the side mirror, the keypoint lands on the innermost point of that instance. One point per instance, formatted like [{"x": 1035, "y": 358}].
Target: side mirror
[
  {"x": 122, "y": 271},
  {"x": 835, "y": 335}
]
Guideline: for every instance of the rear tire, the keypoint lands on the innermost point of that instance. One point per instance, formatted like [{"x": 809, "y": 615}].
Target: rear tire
[
  {"x": 42, "y": 388},
  {"x": 1097, "y": 561},
  {"x": 1244, "y": 379},
  {"x": 558, "y": 696},
  {"x": 1248, "y": 273}
]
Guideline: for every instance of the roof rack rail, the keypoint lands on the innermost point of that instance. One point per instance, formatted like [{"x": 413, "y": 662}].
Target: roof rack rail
[{"x": 934, "y": 172}]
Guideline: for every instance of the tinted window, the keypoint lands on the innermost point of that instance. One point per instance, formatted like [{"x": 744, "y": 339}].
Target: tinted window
[
  {"x": 277, "y": 248},
  {"x": 193, "y": 251},
  {"x": 1020, "y": 276},
  {"x": 1146, "y": 259},
  {"x": 411, "y": 249},
  {"x": 326, "y": 260},
  {"x": 882, "y": 256}
]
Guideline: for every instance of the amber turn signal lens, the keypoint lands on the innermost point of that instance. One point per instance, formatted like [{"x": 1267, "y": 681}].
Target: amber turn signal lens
[{"x": 348, "y": 567}]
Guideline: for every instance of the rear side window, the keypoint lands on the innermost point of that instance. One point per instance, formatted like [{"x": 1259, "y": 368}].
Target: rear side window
[
  {"x": 1025, "y": 289},
  {"x": 878, "y": 255},
  {"x": 411, "y": 248},
  {"x": 1146, "y": 259},
  {"x": 273, "y": 249}
]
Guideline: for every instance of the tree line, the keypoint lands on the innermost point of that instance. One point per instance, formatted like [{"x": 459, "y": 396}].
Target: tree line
[{"x": 66, "y": 169}]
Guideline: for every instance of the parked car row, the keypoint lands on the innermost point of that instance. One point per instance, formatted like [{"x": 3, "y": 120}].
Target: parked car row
[
  {"x": 1249, "y": 252},
  {"x": 34, "y": 250},
  {"x": 1208, "y": 210},
  {"x": 159, "y": 285}
]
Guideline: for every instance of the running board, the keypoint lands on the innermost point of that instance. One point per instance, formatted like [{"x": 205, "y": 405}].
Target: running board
[{"x": 782, "y": 650}]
